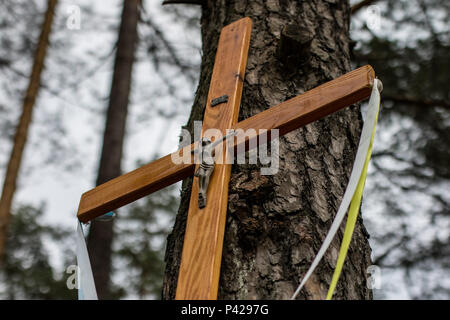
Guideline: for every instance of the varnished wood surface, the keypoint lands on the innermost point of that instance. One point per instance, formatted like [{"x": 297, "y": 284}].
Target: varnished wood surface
[
  {"x": 287, "y": 116},
  {"x": 131, "y": 186},
  {"x": 314, "y": 104},
  {"x": 202, "y": 249}
]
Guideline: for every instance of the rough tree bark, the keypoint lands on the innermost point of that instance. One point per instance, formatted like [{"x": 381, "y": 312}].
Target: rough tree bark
[
  {"x": 276, "y": 224},
  {"x": 20, "y": 137},
  {"x": 101, "y": 233}
]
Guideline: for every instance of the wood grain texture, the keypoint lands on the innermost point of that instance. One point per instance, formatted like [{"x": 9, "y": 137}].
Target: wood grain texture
[
  {"x": 202, "y": 249},
  {"x": 131, "y": 186},
  {"x": 287, "y": 116},
  {"x": 314, "y": 104}
]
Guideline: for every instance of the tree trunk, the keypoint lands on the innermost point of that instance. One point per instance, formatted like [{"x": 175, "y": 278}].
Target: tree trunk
[
  {"x": 101, "y": 233},
  {"x": 276, "y": 224},
  {"x": 20, "y": 138}
]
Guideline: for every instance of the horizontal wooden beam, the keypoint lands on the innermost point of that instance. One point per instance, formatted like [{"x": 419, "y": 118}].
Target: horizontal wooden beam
[
  {"x": 314, "y": 104},
  {"x": 287, "y": 116},
  {"x": 131, "y": 186}
]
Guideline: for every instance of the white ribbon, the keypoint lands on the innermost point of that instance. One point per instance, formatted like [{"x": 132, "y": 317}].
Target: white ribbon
[
  {"x": 358, "y": 165},
  {"x": 86, "y": 284}
]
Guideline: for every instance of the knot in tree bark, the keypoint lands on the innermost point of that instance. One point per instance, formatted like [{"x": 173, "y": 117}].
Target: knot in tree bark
[{"x": 294, "y": 46}]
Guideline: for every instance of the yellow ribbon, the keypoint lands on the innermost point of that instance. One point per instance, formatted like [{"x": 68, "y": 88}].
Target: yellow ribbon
[{"x": 352, "y": 216}]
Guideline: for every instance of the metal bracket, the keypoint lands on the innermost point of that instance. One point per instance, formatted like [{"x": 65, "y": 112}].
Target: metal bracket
[
  {"x": 219, "y": 100},
  {"x": 206, "y": 167},
  {"x": 204, "y": 171}
]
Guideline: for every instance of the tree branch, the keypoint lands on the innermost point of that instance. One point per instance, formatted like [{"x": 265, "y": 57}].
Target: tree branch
[
  {"x": 364, "y": 3},
  {"x": 185, "y": 68},
  {"x": 198, "y": 2},
  {"x": 379, "y": 260},
  {"x": 417, "y": 101}
]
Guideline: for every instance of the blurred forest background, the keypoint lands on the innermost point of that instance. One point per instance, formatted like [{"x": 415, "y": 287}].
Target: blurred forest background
[{"x": 406, "y": 206}]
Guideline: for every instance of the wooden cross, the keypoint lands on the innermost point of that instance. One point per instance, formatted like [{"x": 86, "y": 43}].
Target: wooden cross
[{"x": 202, "y": 249}]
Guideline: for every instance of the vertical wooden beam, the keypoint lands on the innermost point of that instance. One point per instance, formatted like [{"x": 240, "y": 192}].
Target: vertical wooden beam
[{"x": 202, "y": 249}]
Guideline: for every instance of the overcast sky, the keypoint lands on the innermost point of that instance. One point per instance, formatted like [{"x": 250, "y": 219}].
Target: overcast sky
[{"x": 150, "y": 134}]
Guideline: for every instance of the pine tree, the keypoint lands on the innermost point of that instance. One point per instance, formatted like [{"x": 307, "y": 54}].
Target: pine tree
[
  {"x": 275, "y": 224},
  {"x": 20, "y": 138},
  {"x": 101, "y": 234}
]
